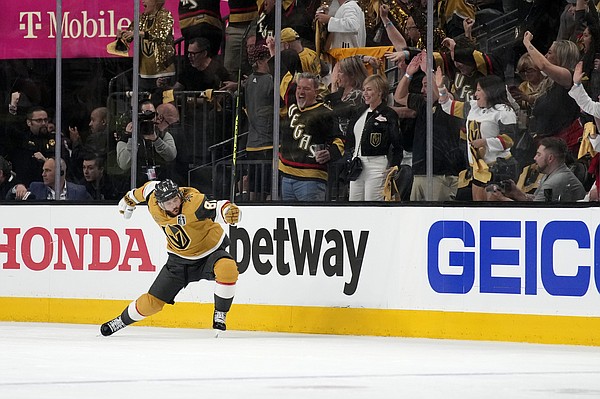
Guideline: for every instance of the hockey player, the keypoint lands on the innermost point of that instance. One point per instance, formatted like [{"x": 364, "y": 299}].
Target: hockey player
[{"x": 195, "y": 244}]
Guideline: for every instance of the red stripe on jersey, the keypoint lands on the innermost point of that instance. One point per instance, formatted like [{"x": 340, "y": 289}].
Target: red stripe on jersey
[
  {"x": 490, "y": 66},
  {"x": 502, "y": 141},
  {"x": 301, "y": 165},
  {"x": 242, "y": 10}
]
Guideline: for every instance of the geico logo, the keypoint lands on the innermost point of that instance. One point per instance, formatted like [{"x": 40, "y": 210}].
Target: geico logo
[
  {"x": 266, "y": 248},
  {"x": 38, "y": 247},
  {"x": 460, "y": 271}
]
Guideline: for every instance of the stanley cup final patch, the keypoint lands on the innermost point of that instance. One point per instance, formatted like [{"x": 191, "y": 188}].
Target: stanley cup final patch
[{"x": 181, "y": 220}]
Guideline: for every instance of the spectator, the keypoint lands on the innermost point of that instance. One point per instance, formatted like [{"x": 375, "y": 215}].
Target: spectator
[
  {"x": 345, "y": 100},
  {"x": 258, "y": 95},
  {"x": 250, "y": 45},
  {"x": 96, "y": 141},
  {"x": 466, "y": 66},
  {"x": 167, "y": 121},
  {"x": 558, "y": 184},
  {"x": 533, "y": 81},
  {"x": 448, "y": 159},
  {"x": 7, "y": 129},
  {"x": 7, "y": 178},
  {"x": 346, "y": 86},
  {"x": 30, "y": 149},
  {"x": 376, "y": 132},
  {"x": 290, "y": 66},
  {"x": 415, "y": 30},
  {"x": 491, "y": 128},
  {"x": 578, "y": 93},
  {"x": 242, "y": 13},
  {"x": 589, "y": 43},
  {"x": 291, "y": 17},
  {"x": 375, "y": 29},
  {"x": 202, "y": 18},
  {"x": 156, "y": 43},
  {"x": 45, "y": 191},
  {"x": 155, "y": 148},
  {"x": 346, "y": 25},
  {"x": 204, "y": 71},
  {"x": 592, "y": 108},
  {"x": 97, "y": 183},
  {"x": 567, "y": 21},
  {"x": 308, "y": 142},
  {"x": 310, "y": 61},
  {"x": 556, "y": 114},
  {"x": 452, "y": 13}
]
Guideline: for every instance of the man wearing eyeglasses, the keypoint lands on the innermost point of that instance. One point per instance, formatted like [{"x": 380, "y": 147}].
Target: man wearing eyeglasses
[
  {"x": 203, "y": 73},
  {"x": 31, "y": 148}
]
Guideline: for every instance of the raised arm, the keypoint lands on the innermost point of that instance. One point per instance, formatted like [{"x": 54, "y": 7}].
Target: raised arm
[
  {"x": 393, "y": 33},
  {"x": 401, "y": 94},
  {"x": 579, "y": 94},
  {"x": 558, "y": 74}
]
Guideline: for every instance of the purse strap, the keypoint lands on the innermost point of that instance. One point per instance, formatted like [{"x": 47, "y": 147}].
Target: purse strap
[{"x": 367, "y": 118}]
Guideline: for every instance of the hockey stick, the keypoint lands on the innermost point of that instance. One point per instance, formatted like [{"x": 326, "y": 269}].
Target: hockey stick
[{"x": 236, "y": 126}]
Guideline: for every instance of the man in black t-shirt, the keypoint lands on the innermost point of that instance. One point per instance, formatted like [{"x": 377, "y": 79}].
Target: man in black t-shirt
[{"x": 205, "y": 73}]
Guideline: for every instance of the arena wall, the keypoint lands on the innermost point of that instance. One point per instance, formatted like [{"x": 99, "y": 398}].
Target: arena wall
[{"x": 528, "y": 274}]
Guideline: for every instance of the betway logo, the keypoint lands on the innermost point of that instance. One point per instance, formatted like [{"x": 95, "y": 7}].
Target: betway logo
[
  {"x": 37, "y": 248},
  {"x": 269, "y": 247},
  {"x": 74, "y": 26}
]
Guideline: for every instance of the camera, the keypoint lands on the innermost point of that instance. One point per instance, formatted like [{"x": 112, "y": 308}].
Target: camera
[
  {"x": 504, "y": 185},
  {"x": 146, "y": 121}
]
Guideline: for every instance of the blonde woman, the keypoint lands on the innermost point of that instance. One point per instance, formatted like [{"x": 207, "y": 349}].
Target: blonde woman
[
  {"x": 555, "y": 113},
  {"x": 375, "y": 132},
  {"x": 533, "y": 81}
]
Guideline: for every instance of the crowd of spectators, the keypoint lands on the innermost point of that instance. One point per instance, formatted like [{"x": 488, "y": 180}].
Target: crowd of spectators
[{"x": 513, "y": 119}]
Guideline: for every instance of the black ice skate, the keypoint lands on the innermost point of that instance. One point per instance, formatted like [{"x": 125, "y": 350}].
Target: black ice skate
[
  {"x": 116, "y": 324},
  {"x": 219, "y": 321}
]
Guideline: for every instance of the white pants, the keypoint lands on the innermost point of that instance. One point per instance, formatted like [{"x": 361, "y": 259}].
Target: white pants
[{"x": 369, "y": 185}]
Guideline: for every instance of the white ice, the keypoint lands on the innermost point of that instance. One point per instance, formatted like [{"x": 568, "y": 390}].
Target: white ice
[{"x": 48, "y": 361}]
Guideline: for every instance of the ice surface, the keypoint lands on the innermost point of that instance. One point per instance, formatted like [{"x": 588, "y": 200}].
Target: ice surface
[{"x": 52, "y": 361}]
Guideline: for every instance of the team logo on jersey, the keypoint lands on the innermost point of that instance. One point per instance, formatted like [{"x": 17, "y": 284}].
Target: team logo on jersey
[
  {"x": 181, "y": 221},
  {"x": 375, "y": 139},
  {"x": 474, "y": 130},
  {"x": 177, "y": 236},
  {"x": 148, "y": 48}
]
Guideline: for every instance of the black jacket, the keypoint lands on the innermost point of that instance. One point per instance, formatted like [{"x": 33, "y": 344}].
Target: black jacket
[{"x": 381, "y": 134}]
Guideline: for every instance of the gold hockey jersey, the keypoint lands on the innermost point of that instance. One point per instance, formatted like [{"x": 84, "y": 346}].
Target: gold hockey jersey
[{"x": 192, "y": 234}]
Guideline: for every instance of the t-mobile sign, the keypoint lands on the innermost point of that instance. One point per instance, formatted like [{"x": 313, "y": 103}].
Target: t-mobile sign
[{"x": 29, "y": 27}]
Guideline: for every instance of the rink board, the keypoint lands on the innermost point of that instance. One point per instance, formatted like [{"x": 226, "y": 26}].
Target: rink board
[{"x": 509, "y": 274}]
